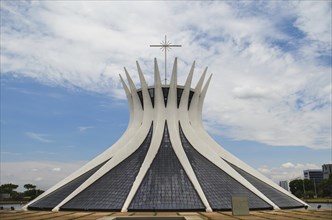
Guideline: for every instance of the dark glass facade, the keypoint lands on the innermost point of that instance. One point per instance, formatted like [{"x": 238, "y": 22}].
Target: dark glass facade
[
  {"x": 313, "y": 175},
  {"x": 165, "y": 94},
  {"x": 166, "y": 185},
  {"x": 217, "y": 185}
]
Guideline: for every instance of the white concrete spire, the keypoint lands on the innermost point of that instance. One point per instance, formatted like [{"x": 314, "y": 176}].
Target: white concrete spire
[
  {"x": 193, "y": 108},
  {"x": 186, "y": 91},
  {"x": 146, "y": 97}
]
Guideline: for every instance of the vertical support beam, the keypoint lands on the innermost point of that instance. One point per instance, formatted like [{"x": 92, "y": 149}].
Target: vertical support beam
[
  {"x": 144, "y": 86},
  {"x": 186, "y": 92},
  {"x": 130, "y": 101}
]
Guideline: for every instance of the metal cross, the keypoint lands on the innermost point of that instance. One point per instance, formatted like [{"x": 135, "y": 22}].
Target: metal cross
[{"x": 164, "y": 46}]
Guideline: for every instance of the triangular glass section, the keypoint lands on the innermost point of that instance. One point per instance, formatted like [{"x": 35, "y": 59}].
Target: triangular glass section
[
  {"x": 140, "y": 96},
  {"x": 54, "y": 198},
  {"x": 282, "y": 200},
  {"x": 217, "y": 185},
  {"x": 166, "y": 185},
  {"x": 165, "y": 94},
  {"x": 110, "y": 191}
]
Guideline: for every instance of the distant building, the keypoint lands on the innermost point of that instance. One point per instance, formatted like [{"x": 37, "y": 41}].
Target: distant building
[
  {"x": 284, "y": 184},
  {"x": 4, "y": 196},
  {"x": 313, "y": 175},
  {"x": 327, "y": 170}
]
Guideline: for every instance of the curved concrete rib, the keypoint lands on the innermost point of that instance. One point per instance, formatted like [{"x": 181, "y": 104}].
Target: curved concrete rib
[
  {"x": 146, "y": 97},
  {"x": 186, "y": 92},
  {"x": 181, "y": 155},
  {"x": 158, "y": 92},
  {"x": 173, "y": 129},
  {"x": 200, "y": 102},
  {"x": 193, "y": 110},
  {"x": 157, "y": 136},
  {"x": 172, "y": 93},
  {"x": 138, "y": 110},
  {"x": 130, "y": 101},
  {"x": 159, "y": 118}
]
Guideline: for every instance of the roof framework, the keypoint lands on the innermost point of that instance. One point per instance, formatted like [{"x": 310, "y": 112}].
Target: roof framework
[{"x": 165, "y": 160}]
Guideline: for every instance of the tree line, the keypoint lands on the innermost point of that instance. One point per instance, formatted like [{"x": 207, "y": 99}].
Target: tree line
[
  {"x": 310, "y": 189},
  {"x": 30, "y": 193}
]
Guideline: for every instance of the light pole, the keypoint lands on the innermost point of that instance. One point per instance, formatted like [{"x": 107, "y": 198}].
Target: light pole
[
  {"x": 315, "y": 188},
  {"x": 303, "y": 187}
]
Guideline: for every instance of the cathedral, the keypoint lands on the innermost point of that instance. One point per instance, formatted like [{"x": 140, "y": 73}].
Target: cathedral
[{"x": 165, "y": 160}]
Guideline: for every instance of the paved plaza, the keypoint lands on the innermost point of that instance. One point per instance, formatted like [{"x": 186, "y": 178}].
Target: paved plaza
[{"x": 323, "y": 214}]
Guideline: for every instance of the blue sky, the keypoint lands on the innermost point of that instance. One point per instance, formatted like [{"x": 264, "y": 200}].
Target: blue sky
[{"x": 269, "y": 102}]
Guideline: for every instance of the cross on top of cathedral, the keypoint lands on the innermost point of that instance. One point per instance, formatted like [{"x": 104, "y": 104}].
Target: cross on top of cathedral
[{"x": 165, "y": 46}]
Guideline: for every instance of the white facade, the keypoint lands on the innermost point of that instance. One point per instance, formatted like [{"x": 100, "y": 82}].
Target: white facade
[
  {"x": 284, "y": 184},
  {"x": 151, "y": 109},
  {"x": 327, "y": 171}
]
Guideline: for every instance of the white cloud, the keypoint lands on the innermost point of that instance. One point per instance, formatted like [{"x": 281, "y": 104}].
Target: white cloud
[
  {"x": 84, "y": 128},
  {"x": 245, "y": 92},
  {"x": 287, "y": 165},
  {"x": 287, "y": 171},
  {"x": 39, "y": 179},
  {"x": 313, "y": 20},
  {"x": 56, "y": 169},
  {"x": 39, "y": 137},
  {"x": 37, "y": 172},
  {"x": 269, "y": 84}
]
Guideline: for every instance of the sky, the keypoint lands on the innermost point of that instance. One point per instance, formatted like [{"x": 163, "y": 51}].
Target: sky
[{"x": 62, "y": 102}]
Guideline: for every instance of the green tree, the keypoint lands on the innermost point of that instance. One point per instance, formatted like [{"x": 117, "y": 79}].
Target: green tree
[
  {"x": 10, "y": 189},
  {"x": 302, "y": 188},
  {"x": 296, "y": 187},
  {"x": 31, "y": 192},
  {"x": 29, "y": 186},
  {"x": 325, "y": 187},
  {"x": 309, "y": 188}
]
